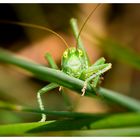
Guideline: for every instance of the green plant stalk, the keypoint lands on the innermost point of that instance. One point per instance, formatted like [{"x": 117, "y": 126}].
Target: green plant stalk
[
  {"x": 121, "y": 99},
  {"x": 45, "y": 73},
  {"x": 57, "y": 128},
  {"x": 63, "y": 79}
]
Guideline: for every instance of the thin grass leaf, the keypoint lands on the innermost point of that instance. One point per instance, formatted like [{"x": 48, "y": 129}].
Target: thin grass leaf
[
  {"x": 120, "y": 99},
  {"x": 39, "y": 127},
  {"x": 132, "y": 131},
  {"x": 45, "y": 73},
  {"x": 76, "y": 127},
  {"x": 19, "y": 129},
  {"x": 65, "y": 80},
  {"x": 117, "y": 121},
  {"x": 64, "y": 114},
  {"x": 78, "y": 121}
]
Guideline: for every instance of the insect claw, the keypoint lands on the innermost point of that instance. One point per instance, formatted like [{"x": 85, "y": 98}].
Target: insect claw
[
  {"x": 43, "y": 119},
  {"x": 60, "y": 88},
  {"x": 102, "y": 78},
  {"x": 84, "y": 89}
]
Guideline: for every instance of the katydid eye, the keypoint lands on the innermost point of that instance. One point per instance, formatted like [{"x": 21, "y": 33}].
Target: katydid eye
[
  {"x": 80, "y": 52},
  {"x": 65, "y": 54}
]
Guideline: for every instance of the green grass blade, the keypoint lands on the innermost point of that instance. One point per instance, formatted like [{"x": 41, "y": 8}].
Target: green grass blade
[
  {"x": 132, "y": 131},
  {"x": 45, "y": 73},
  {"x": 19, "y": 129},
  {"x": 57, "y": 128},
  {"x": 76, "y": 127},
  {"x": 37, "y": 127},
  {"x": 63, "y": 79},
  {"x": 117, "y": 121},
  {"x": 77, "y": 121},
  {"x": 123, "y": 100},
  {"x": 64, "y": 114}
]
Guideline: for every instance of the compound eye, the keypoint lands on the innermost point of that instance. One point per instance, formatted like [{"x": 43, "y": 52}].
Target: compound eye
[
  {"x": 80, "y": 52},
  {"x": 65, "y": 54}
]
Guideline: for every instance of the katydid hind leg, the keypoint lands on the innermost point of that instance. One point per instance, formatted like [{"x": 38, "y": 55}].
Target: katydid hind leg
[
  {"x": 43, "y": 91},
  {"x": 53, "y": 65},
  {"x": 66, "y": 99}
]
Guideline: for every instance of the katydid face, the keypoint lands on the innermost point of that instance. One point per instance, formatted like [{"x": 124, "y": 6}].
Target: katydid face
[{"x": 73, "y": 62}]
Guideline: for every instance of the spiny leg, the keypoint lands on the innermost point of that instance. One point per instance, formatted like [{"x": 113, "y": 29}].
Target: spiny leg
[
  {"x": 53, "y": 65},
  {"x": 51, "y": 61},
  {"x": 39, "y": 93},
  {"x": 97, "y": 71},
  {"x": 47, "y": 88},
  {"x": 66, "y": 99},
  {"x": 97, "y": 78},
  {"x": 99, "y": 61}
]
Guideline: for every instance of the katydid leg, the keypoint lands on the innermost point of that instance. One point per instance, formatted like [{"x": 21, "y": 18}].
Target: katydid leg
[
  {"x": 42, "y": 91},
  {"x": 100, "y": 69},
  {"x": 97, "y": 78},
  {"x": 66, "y": 99},
  {"x": 47, "y": 88},
  {"x": 53, "y": 65},
  {"x": 99, "y": 61},
  {"x": 51, "y": 61},
  {"x": 97, "y": 71}
]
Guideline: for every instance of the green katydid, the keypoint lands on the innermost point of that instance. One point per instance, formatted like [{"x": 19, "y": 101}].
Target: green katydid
[{"x": 75, "y": 62}]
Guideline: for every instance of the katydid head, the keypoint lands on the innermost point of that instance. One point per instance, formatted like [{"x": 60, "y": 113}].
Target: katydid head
[{"x": 73, "y": 62}]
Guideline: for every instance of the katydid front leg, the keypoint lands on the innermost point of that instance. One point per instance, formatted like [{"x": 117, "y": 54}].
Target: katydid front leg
[
  {"x": 93, "y": 72},
  {"x": 96, "y": 80},
  {"x": 53, "y": 65},
  {"x": 51, "y": 61},
  {"x": 49, "y": 87}
]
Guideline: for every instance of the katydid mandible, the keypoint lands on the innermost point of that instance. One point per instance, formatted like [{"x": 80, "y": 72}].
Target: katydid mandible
[{"x": 75, "y": 62}]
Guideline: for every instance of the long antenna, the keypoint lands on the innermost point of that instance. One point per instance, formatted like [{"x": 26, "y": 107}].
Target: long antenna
[
  {"x": 85, "y": 23},
  {"x": 35, "y": 26}
]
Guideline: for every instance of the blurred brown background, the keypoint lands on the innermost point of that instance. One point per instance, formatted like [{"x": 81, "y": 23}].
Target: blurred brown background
[{"x": 120, "y": 21}]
